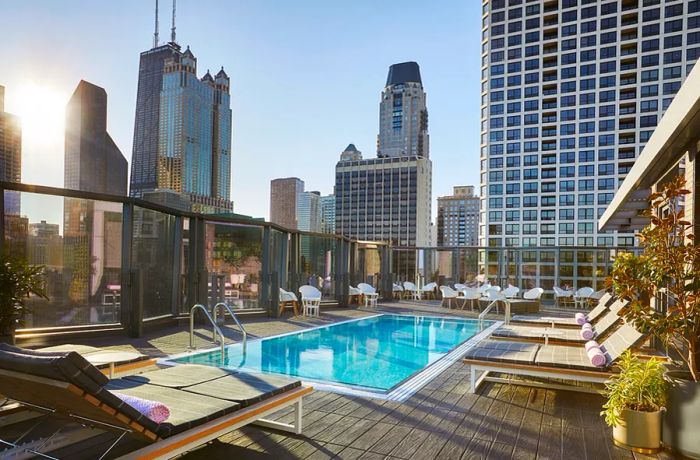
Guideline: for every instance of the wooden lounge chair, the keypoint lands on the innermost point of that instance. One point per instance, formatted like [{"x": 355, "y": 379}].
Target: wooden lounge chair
[
  {"x": 554, "y": 321},
  {"x": 567, "y": 336},
  {"x": 204, "y": 402},
  {"x": 548, "y": 361}
]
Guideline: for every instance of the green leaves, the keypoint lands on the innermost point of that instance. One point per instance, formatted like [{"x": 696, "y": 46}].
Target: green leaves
[
  {"x": 668, "y": 269},
  {"x": 18, "y": 280},
  {"x": 639, "y": 386}
]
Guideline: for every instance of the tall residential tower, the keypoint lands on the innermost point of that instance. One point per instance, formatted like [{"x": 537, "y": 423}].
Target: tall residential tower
[
  {"x": 10, "y": 154},
  {"x": 571, "y": 91},
  {"x": 458, "y": 218}
]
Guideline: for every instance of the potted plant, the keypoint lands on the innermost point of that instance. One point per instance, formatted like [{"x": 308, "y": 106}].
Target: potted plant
[
  {"x": 636, "y": 397},
  {"x": 669, "y": 269},
  {"x": 18, "y": 280}
]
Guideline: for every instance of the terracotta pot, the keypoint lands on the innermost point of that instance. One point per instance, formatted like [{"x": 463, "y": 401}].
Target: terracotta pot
[
  {"x": 681, "y": 425},
  {"x": 639, "y": 431}
]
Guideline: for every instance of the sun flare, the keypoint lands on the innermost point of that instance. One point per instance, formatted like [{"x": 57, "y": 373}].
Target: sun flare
[{"x": 41, "y": 109}]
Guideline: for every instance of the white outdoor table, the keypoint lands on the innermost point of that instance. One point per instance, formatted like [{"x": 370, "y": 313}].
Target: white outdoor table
[
  {"x": 111, "y": 358},
  {"x": 546, "y": 332}
]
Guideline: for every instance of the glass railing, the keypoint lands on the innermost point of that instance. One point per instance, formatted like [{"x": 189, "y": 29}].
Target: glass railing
[{"x": 118, "y": 261}]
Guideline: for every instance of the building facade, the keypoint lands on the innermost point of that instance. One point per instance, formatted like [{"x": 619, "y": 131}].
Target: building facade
[
  {"x": 328, "y": 214},
  {"x": 384, "y": 199},
  {"x": 403, "y": 114},
  {"x": 571, "y": 91},
  {"x": 182, "y": 134},
  {"x": 458, "y": 218},
  {"x": 93, "y": 162},
  {"x": 309, "y": 212},
  {"x": 10, "y": 154},
  {"x": 285, "y": 194}
]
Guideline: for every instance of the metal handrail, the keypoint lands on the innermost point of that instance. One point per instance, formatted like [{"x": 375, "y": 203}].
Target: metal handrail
[
  {"x": 213, "y": 323},
  {"x": 493, "y": 303},
  {"x": 235, "y": 318}
]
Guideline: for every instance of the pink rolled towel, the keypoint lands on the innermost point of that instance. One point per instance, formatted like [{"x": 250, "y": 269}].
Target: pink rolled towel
[
  {"x": 591, "y": 344},
  {"x": 580, "y": 319},
  {"x": 587, "y": 332},
  {"x": 596, "y": 356},
  {"x": 158, "y": 412}
]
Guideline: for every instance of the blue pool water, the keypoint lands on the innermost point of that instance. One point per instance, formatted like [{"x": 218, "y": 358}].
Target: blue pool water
[{"x": 377, "y": 352}]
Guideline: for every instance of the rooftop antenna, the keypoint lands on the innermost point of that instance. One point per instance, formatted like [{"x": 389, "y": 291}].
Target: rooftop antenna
[
  {"x": 172, "y": 29},
  {"x": 155, "y": 33}
]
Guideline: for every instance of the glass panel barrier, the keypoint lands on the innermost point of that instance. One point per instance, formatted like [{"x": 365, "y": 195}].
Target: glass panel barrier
[{"x": 78, "y": 241}]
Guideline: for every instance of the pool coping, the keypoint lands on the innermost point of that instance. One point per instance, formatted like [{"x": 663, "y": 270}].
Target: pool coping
[{"x": 399, "y": 393}]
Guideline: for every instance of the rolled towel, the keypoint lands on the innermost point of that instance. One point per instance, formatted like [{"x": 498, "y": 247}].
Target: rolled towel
[
  {"x": 591, "y": 344},
  {"x": 596, "y": 356},
  {"x": 580, "y": 319},
  {"x": 158, "y": 412},
  {"x": 587, "y": 334}
]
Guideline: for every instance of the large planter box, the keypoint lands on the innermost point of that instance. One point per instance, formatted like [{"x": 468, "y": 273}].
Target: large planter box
[{"x": 681, "y": 425}]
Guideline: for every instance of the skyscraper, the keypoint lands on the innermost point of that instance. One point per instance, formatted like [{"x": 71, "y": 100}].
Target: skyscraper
[
  {"x": 10, "y": 154},
  {"x": 93, "y": 162},
  {"x": 285, "y": 195},
  {"x": 182, "y": 131},
  {"x": 328, "y": 214},
  {"x": 309, "y": 212},
  {"x": 403, "y": 115},
  {"x": 458, "y": 218},
  {"x": 571, "y": 92}
]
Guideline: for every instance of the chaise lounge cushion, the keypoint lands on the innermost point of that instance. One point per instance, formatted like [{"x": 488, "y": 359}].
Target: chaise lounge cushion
[
  {"x": 186, "y": 409},
  {"x": 566, "y": 357},
  {"x": 529, "y": 332},
  {"x": 245, "y": 389},
  {"x": 503, "y": 352},
  {"x": 179, "y": 376}
]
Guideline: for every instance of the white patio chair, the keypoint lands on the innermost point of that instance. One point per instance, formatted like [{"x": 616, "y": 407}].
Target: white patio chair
[
  {"x": 287, "y": 298},
  {"x": 495, "y": 294},
  {"x": 484, "y": 288},
  {"x": 429, "y": 290},
  {"x": 471, "y": 295},
  {"x": 582, "y": 296},
  {"x": 310, "y": 300},
  {"x": 411, "y": 289},
  {"x": 369, "y": 293},
  {"x": 533, "y": 294},
  {"x": 448, "y": 294},
  {"x": 562, "y": 296},
  {"x": 354, "y": 293},
  {"x": 397, "y": 290},
  {"x": 511, "y": 292},
  {"x": 460, "y": 287}
]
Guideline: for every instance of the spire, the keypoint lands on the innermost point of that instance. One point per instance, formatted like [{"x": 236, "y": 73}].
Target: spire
[
  {"x": 155, "y": 33},
  {"x": 172, "y": 29}
]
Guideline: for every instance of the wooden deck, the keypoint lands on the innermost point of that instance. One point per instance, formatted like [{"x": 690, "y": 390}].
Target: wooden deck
[{"x": 441, "y": 421}]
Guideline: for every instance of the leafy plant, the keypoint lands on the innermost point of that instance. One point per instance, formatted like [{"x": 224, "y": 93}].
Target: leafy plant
[
  {"x": 640, "y": 386},
  {"x": 668, "y": 266},
  {"x": 18, "y": 280}
]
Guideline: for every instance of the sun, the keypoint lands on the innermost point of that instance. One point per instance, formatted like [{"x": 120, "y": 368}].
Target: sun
[{"x": 41, "y": 109}]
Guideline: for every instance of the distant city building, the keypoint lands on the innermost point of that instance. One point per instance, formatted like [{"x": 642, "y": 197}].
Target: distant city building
[
  {"x": 328, "y": 214},
  {"x": 458, "y": 218},
  {"x": 384, "y": 199},
  {"x": 45, "y": 245},
  {"x": 389, "y": 198},
  {"x": 182, "y": 131},
  {"x": 571, "y": 92},
  {"x": 403, "y": 114},
  {"x": 285, "y": 193},
  {"x": 93, "y": 162},
  {"x": 309, "y": 212},
  {"x": 10, "y": 154}
]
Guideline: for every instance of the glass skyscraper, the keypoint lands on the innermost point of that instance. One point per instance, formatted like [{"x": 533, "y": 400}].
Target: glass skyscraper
[
  {"x": 10, "y": 154},
  {"x": 182, "y": 138},
  {"x": 571, "y": 91}
]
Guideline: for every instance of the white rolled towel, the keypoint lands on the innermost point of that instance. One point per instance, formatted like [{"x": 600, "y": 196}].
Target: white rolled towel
[{"x": 156, "y": 411}]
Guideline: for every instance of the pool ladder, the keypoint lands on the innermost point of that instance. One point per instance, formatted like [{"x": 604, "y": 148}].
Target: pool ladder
[{"x": 215, "y": 327}]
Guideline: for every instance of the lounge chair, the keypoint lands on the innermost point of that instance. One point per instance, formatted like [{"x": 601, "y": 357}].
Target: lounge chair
[
  {"x": 369, "y": 293},
  {"x": 288, "y": 299},
  {"x": 564, "y": 336},
  {"x": 205, "y": 402},
  {"x": 310, "y": 300},
  {"x": 448, "y": 294},
  {"x": 570, "y": 322},
  {"x": 548, "y": 361}
]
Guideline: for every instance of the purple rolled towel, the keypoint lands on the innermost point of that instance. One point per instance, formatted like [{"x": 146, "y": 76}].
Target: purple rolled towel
[
  {"x": 586, "y": 326},
  {"x": 580, "y": 319},
  {"x": 158, "y": 412},
  {"x": 591, "y": 344},
  {"x": 587, "y": 333},
  {"x": 596, "y": 357}
]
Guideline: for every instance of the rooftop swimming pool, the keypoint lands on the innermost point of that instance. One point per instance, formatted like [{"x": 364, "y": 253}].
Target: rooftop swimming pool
[{"x": 375, "y": 354}]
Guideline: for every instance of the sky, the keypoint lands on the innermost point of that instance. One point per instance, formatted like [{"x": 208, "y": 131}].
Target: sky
[{"x": 306, "y": 79}]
